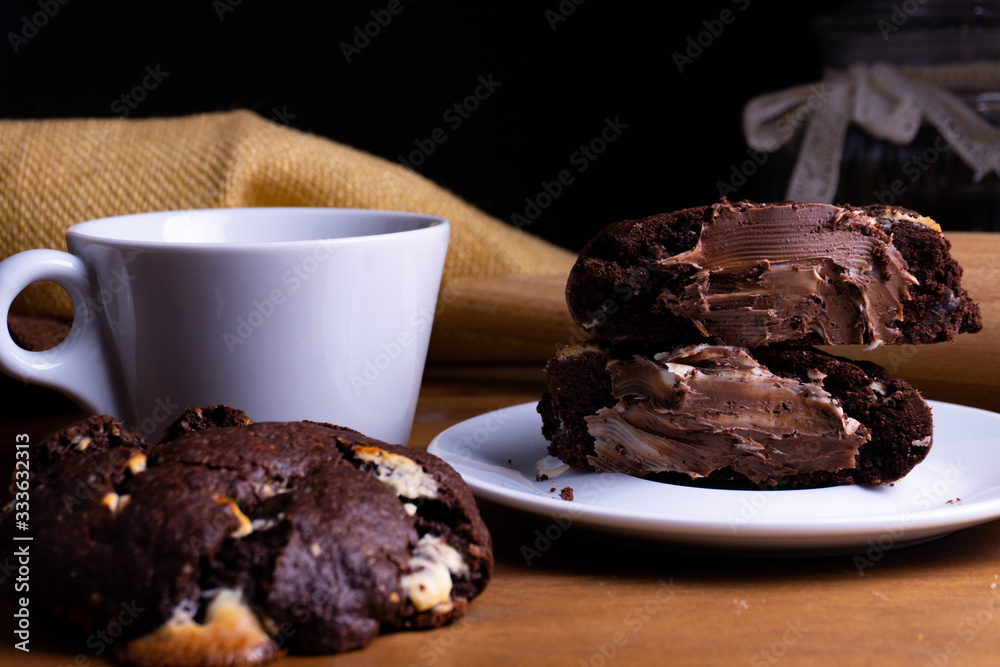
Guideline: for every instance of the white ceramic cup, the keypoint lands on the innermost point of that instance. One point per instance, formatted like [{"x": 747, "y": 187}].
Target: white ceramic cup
[{"x": 285, "y": 313}]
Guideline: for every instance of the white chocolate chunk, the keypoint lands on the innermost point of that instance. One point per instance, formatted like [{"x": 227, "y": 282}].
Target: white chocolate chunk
[
  {"x": 432, "y": 565},
  {"x": 110, "y": 500},
  {"x": 404, "y": 475},
  {"x": 231, "y": 634},
  {"x": 137, "y": 463},
  {"x": 267, "y": 523},
  {"x": 269, "y": 489},
  {"x": 816, "y": 375},
  {"x": 115, "y": 503},
  {"x": 246, "y": 526},
  {"x": 892, "y": 216}
]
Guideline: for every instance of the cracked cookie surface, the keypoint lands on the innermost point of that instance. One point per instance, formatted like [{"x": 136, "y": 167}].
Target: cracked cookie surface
[{"x": 234, "y": 542}]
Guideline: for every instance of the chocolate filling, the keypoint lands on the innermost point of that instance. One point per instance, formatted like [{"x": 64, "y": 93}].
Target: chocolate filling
[
  {"x": 826, "y": 271},
  {"x": 704, "y": 408}
]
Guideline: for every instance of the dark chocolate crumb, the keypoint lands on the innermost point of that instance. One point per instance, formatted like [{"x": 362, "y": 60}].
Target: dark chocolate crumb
[
  {"x": 566, "y": 493},
  {"x": 541, "y": 478}
]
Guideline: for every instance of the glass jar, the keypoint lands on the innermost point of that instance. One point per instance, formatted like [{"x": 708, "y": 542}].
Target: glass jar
[{"x": 927, "y": 175}]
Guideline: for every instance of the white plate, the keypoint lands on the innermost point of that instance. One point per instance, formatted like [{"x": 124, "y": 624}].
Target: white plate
[{"x": 956, "y": 486}]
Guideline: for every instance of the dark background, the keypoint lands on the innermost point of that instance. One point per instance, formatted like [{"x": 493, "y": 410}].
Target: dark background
[{"x": 679, "y": 130}]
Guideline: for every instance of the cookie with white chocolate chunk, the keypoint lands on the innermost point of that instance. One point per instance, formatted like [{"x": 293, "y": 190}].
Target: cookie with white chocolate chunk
[{"x": 233, "y": 544}]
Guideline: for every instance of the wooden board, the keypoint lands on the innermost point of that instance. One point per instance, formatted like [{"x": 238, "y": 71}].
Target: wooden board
[{"x": 586, "y": 600}]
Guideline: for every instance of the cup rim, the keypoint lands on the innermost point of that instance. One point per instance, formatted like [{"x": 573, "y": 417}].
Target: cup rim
[{"x": 82, "y": 230}]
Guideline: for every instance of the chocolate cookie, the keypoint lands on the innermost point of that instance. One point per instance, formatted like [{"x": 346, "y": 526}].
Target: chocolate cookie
[
  {"x": 198, "y": 419},
  {"x": 232, "y": 544},
  {"x": 767, "y": 417},
  {"x": 790, "y": 273}
]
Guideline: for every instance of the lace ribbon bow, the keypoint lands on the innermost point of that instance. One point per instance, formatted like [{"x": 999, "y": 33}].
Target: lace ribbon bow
[{"x": 889, "y": 103}]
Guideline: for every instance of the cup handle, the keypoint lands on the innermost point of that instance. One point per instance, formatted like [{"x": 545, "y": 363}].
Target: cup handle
[{"x": 78, "y": 366}]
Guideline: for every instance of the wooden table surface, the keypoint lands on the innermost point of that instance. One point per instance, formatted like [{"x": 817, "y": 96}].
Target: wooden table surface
[{"x": 590, "y": 600}]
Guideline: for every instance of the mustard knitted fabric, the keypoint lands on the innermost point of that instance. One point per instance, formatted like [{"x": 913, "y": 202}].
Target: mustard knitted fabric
[{"x": 55, "y": 173}]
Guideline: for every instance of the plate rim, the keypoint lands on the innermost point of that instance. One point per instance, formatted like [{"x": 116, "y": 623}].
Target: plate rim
[{"x": 842, "y": 530}]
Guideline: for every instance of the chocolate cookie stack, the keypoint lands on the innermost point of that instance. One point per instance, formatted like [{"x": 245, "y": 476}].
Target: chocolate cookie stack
[{"x": 701, "y": 366}]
